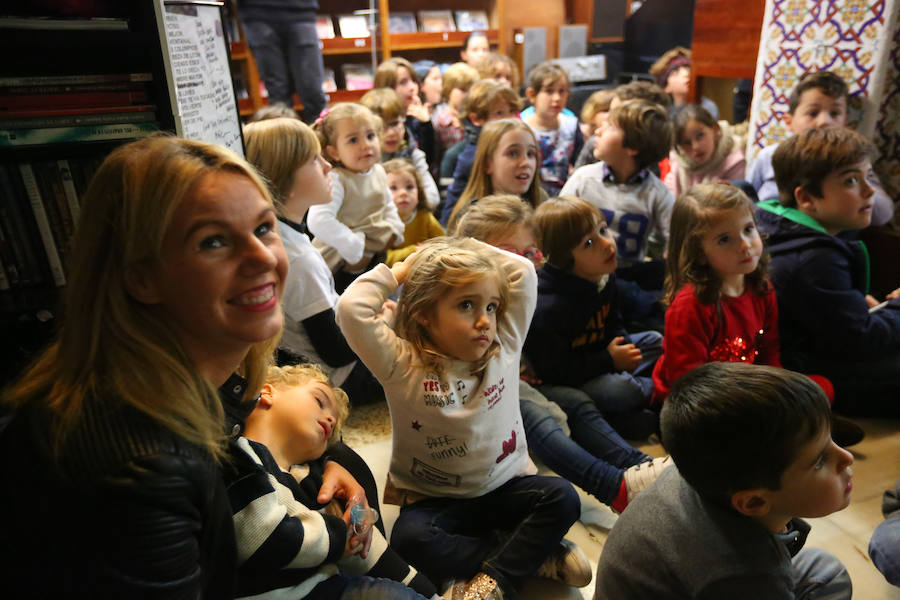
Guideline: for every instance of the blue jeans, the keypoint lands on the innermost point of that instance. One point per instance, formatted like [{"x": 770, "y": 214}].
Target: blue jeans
[
  {"x": 819, "y": 575},
  {"x": 506, "y": 533},
  {"x": 594, "y": 457},
  {"x": 623, "y": 397},
  {"x": 360, "y": 587},
  {"x": 286, "y": 54},
  {"x": 884, "y": 548}
]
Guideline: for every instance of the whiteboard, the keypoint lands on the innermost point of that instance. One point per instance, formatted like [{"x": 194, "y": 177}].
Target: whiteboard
[{"x": 198, "y": 73}]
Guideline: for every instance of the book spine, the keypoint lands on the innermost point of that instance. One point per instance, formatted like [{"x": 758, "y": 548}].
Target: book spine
[
  {"x": 113, "y": 86},
  {"x": 4, "y": 282},
  {"x": 41, "y": 80},
  {"x": 73, "y": 100},
  {"x": 40, "y": 217},
  {"x": 10, "y": 270},
  {"x": 68, "y": 184},
  {"x": 65, "y": 117},
  {"x": 86, "y": 133},
  {"x": 21, "y": 230},
  {"x": 50, "y": 184}
]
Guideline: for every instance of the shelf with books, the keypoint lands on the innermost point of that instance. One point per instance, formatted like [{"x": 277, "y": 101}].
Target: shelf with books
[
  {"x": 340, "y": 45},
  {"x": 435, "y": 39}
]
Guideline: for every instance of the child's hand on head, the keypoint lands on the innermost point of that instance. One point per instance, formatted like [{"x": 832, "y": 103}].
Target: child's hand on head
[
  {"x": 626, "y": 357},
  {"x": 401, "y": 269}
]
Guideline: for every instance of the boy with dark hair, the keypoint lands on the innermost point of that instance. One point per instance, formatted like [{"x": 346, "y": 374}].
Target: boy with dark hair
[
  {"x": 487, "y": 100},
  {"x": 818, "y": 100},
  {"x": 829, "y": 323},
  {"x": 752, "y": 451},
  {"x": 290, "y": 543}
]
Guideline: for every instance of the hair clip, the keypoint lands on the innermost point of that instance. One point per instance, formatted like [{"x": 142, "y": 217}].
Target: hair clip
[{"x": 322, "y": 116}]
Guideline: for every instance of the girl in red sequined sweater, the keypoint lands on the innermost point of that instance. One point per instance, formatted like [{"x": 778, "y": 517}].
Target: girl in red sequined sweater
[{"x": 721, "y": 305}]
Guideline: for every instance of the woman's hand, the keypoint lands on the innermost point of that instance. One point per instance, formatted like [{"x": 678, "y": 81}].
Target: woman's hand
[
  {"x": 420, "y": 111},
  {"x": 626, "y": 357}
]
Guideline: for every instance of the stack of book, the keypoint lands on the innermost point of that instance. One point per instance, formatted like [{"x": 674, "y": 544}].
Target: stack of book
[
  {"x": 41, "y": 203},
  {"x": 76, "y": 108}
]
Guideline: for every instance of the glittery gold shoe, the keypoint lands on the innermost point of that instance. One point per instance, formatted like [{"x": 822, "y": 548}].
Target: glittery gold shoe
[{"x": 480, "y": 587}]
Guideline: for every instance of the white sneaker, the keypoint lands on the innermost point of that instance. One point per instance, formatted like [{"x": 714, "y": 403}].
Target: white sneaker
[
  {"x": 640, "y": 476},
  {"x": 568, "y": 564}
]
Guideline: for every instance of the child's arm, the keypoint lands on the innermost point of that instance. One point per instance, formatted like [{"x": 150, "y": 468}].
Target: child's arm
[
  {"x": 688, "y": 337},
  {"x": 663, "y": 202},
  {"x": 359, "y": 317},
  {"x": 273, "y": 529},
  {"x": 821, "y": 297},
  {"x": 324, "y": 224},
  {"x": 432, "y": 195},
  {"x": 512, "y": 328}
]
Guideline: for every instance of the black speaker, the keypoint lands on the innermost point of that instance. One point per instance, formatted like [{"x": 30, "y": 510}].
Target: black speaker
[{"x": 609, "y": 18}]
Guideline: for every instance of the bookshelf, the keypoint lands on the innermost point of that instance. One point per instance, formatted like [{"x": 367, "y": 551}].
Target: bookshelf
[
  {"x": 80, "y": 86},
  {"x": 337, "y": 51}
]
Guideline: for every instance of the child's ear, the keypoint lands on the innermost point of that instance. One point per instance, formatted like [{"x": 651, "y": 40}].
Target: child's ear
[
  {"x": 331, "y": 153},
  {"x": 752, "y": 503},
  {"x": 422, "y": 320},
  {"x": 530, "y": 94},
  {"x": 266, "y": 396},
  {"x": 473, "y": 118},
  {"x": 804, "y": 199},
  {"x": 140, "y": 285},
  {"x": 788, "y": 119}
]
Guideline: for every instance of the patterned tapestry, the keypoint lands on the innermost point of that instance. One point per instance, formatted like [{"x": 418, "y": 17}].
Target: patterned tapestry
[{"x": 859, "y": 40}]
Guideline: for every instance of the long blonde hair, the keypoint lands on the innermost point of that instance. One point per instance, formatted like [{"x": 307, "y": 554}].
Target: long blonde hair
[
  {"x": 480, "y": 184},
  {"x": 277, "y": 147},
  {"x": 113, "y": 348},
  {"x": 440, "y": 265}
]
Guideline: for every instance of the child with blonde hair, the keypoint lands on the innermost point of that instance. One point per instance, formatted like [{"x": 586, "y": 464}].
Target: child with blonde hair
[
  {"x": 564, "y": 430},
  {"x": 290, "y": 538},
  {"x": 501, "y": 68},
  {"x": 448, "y": 354},
  {"x": 398, "y": 74},
  {"x": 405, "y": 183},
  {"x": 558, "y": 134},
  {"x": 446, "y": 119},
  {"x": 705, "y": 151},
  {"x": 360, "y": 224},
  {"x": 506, "y": 162},
  {"x": 395, "y": 143},
  {"x": 287, "y": 152},
  {"x": 487, "y": 100},
  {"x": 577, "y": 338}
]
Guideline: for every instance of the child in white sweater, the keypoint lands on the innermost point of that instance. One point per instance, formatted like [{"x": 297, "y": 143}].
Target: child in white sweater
[{"x": 471, "y": 504}]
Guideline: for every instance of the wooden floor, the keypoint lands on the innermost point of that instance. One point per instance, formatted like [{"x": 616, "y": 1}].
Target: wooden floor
[{"x": 846, "y": 534}]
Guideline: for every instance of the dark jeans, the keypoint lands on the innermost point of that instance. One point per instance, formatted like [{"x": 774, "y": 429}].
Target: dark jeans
[
  {"x": 360, "y": 587},
  {"x": 506, "y": 533},
  {"x": 594, "y": 457},
  {"x": 289, "y": 60},
  {"x": 866, "y": 387}
]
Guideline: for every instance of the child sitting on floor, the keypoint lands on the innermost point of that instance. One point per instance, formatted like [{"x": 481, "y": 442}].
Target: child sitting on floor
[
  {"x": 447, "y": 355},
  {"x": 360, "y": 224},
  {"x": 828, "y": 321},
  {"x": 288, "y": 541},
  {"x": 405, "y": 183},
  {"x": 558, "y": 134},
  {"x": 752, "y": 451},
  {"x": 705, "y": 151},
  {"x": 394, "y": 141},
  {"x": 577, "y": 338}
]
